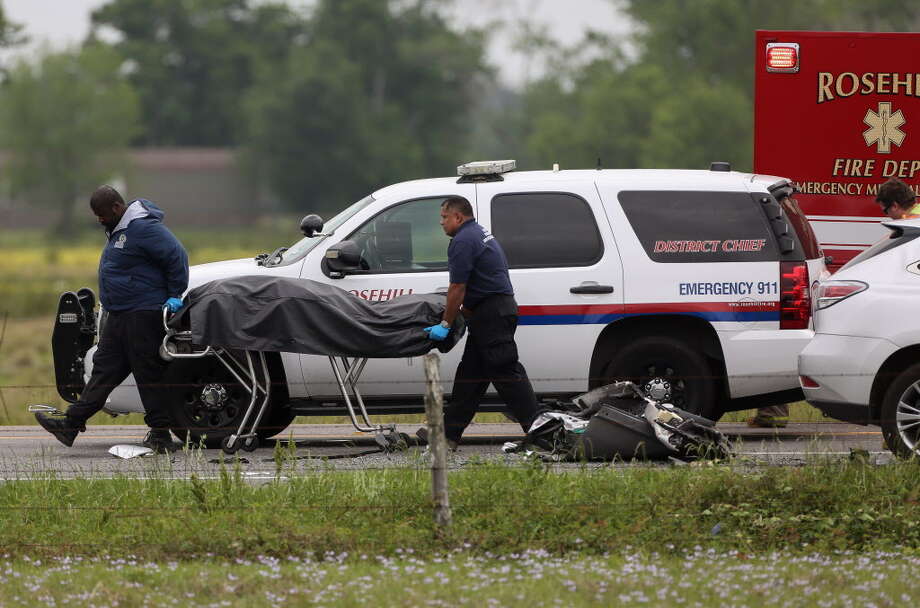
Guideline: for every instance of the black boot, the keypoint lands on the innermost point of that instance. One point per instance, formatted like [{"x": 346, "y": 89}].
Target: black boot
[
  {"x": 160, "y": 441},
  {"x": 63, "y": 428}
]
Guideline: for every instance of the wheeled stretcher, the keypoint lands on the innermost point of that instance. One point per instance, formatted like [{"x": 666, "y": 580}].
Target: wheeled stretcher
[
  {"x": 252, "y": 373},
  {"x": 238, "y": 320}
]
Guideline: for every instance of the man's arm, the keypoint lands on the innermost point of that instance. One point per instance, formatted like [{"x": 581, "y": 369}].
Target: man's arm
[
  {"x": 166, "y": 250},
  {"x": 460, "y": 262},
  {"x": 455, "y": 294}
]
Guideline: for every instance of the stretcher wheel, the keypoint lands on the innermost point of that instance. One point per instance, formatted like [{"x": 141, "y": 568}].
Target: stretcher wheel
[
  {"x": 404, "y": 442},
  {"x": 251, "y": 444},
  {"x": 228, "y": 447},
  {"x": 396, "y": 442}
]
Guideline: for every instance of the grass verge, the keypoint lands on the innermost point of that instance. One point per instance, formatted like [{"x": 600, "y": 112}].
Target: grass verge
[
  {"x": 35, "y": 270},
  {"x": 498, "y": 509},
  {"x": 456, "y": 579}
]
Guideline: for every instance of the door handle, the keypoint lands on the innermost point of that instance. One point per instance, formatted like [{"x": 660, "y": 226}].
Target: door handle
[{"x": 591, "y": 289}]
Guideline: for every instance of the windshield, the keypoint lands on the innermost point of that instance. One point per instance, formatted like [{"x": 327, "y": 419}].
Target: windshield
[{"x": 302, "y": 247}]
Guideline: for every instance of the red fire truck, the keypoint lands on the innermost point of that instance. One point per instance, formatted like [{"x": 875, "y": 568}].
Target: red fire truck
[{"x": 839, "y": 113}]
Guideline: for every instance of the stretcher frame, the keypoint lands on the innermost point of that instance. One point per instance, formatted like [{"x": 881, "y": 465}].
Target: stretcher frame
[{"x": 347, "y": 372}]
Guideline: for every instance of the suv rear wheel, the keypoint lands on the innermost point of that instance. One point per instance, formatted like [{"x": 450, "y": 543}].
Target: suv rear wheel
[
  {"x": 667, "y": 365},
  {"x": 207, "y": 403},
  {"x": 900, "y": 415}
]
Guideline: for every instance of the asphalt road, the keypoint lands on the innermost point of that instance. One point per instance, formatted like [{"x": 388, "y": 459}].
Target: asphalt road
[{"x": 29, "y": 452}]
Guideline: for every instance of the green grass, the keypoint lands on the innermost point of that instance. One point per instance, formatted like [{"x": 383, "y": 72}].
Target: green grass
[
  {"x": 498, "y": 509},
  {"x": 264, "y": 234},
  {"x": 531, "y": 579},
  {"x": 33, "y": 273}
]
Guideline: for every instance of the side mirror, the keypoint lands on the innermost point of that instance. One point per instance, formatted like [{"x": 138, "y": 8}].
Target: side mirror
[
  {"x": 344, "y": 257},
  {"x": 311, "y": 225}
]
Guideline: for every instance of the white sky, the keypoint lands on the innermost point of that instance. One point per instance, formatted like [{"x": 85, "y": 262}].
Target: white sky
[{"x": 66, "y": 22}]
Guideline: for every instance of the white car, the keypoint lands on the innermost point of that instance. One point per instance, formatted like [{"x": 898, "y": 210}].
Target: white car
[
  {"x": 863, "y": 365},
  {"x": 696, "y": 283}
]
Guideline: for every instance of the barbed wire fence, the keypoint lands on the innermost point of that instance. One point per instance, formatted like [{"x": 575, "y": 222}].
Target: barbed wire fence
[
  {"x": 6, "y": 412},
  {"x": 418, "y": 387}
]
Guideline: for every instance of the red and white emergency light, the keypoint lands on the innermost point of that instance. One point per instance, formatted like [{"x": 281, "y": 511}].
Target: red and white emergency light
[{"x": 783, "y": 57}]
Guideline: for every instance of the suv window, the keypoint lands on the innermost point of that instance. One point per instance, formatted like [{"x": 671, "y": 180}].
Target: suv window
[
  {"x": 546, "y": 229},
  {"x": 802, "y": 227},
  {"x": 678, "y": 226},
  {"x": 404, "y": 238}
]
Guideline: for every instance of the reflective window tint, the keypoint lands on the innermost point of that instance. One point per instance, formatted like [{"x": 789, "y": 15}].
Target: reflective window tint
[
  {"x": 546, "y": 229},
  {"x": 676, "y": 226},
  {"x": 404, "y": 238},
  {"x": 807, "y": 238}
]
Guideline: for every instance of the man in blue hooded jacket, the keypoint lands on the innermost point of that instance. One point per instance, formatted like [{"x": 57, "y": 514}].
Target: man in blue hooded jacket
[{"x": 142, "y": 269}]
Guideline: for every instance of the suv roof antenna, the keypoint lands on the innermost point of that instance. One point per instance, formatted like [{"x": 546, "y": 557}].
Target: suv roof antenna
[{"x": 599, "y": 167}]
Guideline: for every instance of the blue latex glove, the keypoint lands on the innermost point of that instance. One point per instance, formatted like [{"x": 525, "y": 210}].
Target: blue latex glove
[
  {"x": 437, "y": 332},
  {"x": 173, "y": 304}
]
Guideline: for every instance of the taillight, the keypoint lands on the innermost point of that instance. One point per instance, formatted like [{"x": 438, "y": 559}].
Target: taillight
[
  {"x": 808, "y": 382},
  {"x": 794, "y": 296},
  {"x": 831, "y": 292}
]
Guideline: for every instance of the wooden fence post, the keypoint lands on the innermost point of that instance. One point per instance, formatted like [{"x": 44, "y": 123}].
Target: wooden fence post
[{"x": 437, "y": 442}]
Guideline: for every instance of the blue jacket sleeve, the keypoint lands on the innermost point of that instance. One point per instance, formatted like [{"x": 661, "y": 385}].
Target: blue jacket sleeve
[{"x": 167, "y": 252}]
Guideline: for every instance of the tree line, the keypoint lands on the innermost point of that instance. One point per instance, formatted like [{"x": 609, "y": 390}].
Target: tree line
[{"x": 330, "y": 103}]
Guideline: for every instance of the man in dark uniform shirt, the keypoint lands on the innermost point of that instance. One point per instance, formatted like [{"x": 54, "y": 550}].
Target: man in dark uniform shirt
[{"x": 479, "y": 281}]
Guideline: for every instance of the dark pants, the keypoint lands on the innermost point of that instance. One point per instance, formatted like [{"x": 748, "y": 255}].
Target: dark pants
[
  {"x": 490, "y": 356},
  {"x": 129, "y": 344}
]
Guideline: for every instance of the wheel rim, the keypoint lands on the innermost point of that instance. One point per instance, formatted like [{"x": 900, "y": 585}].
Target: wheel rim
[
  {"x": 907, "y": 417},
  {"x": 659, "y": 372},
  {"x": 213, "y": 402}
]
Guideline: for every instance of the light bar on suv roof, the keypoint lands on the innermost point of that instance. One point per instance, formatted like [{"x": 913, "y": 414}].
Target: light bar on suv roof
[
  {"x": 486, "y": 167},
  {"x": 484, "y": 171}
]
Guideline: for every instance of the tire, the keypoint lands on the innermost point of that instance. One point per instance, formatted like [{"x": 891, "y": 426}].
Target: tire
[
  {"x": 902, "y": 400},
  {"x": 275, "y": 421},
  {"x": 694, "y": 385},
  {"x": 209, "y": 425}
]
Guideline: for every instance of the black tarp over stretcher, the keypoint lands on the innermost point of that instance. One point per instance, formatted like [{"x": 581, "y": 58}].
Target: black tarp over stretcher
[{"x": 302, "y": 316}]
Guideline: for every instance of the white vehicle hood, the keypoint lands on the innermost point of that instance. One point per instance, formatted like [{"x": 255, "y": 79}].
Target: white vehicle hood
[{"x": 203, "y": 273}]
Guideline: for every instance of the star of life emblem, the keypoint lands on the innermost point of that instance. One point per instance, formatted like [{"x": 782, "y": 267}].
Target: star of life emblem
[{"x": 884, "y": 128}]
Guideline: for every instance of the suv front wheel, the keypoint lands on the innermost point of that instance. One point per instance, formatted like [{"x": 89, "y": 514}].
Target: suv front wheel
[
  {"x": 207, "y": 403},
  {"x": 668, "y": 367},
  {"x": 900, "y": 415}
]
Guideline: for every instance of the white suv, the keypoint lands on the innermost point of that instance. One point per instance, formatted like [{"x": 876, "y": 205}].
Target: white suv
[
  {"x": 696, "y": 283},
  {"x": 863, "y": 365}
]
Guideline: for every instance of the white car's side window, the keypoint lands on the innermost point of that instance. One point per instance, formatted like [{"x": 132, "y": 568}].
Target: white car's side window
[{"x": 406, "y": 237}]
